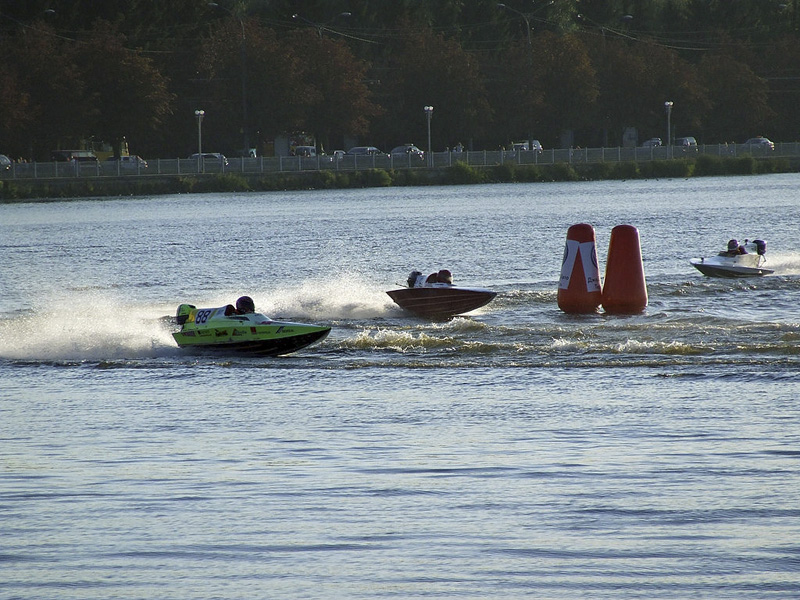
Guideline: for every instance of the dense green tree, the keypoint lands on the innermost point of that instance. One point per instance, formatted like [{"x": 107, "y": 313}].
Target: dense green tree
[
  {"x": 338, "y": 101},
  {"x": 428, "y": 69},
  {"x": 517, "y": 96},
  {"x": 569, "y": 82},
  {"x": 14, "y": 112},
  {"x": 739, "y": 107},
  {"x": 779, "y": 65},
  {"x": 730, "y": 67},
  {"x": 129, "y": 96},
  {"x": 277, "y": 94},
  {"x": 50, "y": 89}
]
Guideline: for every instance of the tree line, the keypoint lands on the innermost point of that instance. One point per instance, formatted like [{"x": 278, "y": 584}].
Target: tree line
[{"x": 359, "y": 70}]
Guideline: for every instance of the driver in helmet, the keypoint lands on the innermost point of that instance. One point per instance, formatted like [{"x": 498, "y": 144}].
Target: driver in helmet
[{"x": 245, "y": 305}]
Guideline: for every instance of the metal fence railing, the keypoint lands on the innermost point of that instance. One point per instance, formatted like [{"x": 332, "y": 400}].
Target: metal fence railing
[{"x": 348, "y": 162}]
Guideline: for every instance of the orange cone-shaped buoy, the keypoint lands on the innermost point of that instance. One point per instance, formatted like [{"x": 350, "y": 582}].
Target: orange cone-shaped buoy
[
  {"x": 624, "y": 289},
  {"x": 579, "y": 289}
]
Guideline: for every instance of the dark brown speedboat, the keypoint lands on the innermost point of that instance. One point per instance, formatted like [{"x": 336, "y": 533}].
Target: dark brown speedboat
[{"x": 441, "y": 301}]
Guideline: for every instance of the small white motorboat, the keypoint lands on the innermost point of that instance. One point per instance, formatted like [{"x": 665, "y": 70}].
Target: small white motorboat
[{"x": 745, "y": 260}]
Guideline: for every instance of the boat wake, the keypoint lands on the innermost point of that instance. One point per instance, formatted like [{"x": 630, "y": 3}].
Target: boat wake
[
  {"x": 74, "y": 328},
  {"x": 344, "y": 297},
  {"x": 785, "y": 263}
]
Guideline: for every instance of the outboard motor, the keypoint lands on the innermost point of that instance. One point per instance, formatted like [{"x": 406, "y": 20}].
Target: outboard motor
[
  {"x": 412, "y": 278},
  {"x": 184, "y": 310},
  {"x": 761, "y": 247}
]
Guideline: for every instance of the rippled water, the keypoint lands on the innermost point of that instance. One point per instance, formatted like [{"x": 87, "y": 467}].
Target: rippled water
[{"x": 517, "y": 452}]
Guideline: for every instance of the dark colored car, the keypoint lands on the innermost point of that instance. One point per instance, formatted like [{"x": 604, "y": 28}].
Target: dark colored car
[
  {"x": 366, "y": 151},
  {"x": 408, "y": 150},
  {"x": 760, "y": 143}
]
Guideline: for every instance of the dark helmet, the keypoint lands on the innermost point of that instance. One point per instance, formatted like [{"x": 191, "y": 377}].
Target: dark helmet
[
  {"x": 444, "y": 276},
  {"x": 733, "y": 245},
  {"x": 245, "y": 304}
]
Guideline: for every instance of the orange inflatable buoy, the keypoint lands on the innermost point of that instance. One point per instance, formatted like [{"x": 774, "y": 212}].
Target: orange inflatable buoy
[
  {"x": 625, "y": 289},
  {"x": 579, "y": 290}
]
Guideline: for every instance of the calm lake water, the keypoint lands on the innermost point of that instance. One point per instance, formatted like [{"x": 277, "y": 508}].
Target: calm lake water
[{"x": 516, "y": 452}]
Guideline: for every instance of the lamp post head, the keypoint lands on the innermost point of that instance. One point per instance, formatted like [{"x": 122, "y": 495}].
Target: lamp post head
[
  {"x": 668, "y": 105},
  {"x": 199, "y": 113},
  {"x": 428, "y": 109}
]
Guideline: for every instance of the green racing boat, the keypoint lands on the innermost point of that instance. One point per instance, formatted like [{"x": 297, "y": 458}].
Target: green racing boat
[{"x": 240, "y": 329}]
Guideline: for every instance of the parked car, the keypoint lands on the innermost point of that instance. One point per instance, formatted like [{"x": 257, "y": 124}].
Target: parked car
[
  {"x": 651, "y": 143},
  {"x": 211, "y": 157},
  {"x": 126, "y": 163},
  {"x": 305, "y": 151},
  {"x": 408, "y": 150},
  {"x": 74, "y": 156},
  {"x": 338, "y": 155},
  {"x": 760, "y": 143},
  {"x": 685, "y": 144},
  {"x": 366, "y": 151},
  {"x": 5, "y": 163},
  {"x": 534, "y": 145}
]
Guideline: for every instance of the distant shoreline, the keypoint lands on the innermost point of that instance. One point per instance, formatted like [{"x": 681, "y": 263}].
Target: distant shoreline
[{"x": 50, "y": 190}]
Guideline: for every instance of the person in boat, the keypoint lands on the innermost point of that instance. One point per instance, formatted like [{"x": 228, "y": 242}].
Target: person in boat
[
  {"x": 245, "y": 305},
  {"x": 734, "y": 249},
  {"x": 417, "y": 279}
]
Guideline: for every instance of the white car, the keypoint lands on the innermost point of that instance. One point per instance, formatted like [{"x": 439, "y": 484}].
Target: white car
[
  {"x": 534, "y": 145},
  {"x": 5, "y": 163}
]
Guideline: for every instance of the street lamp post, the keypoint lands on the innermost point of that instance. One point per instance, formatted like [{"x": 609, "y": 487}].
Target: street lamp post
[
  {"x": 668, "y": 108},
  {"x": 243, "y": 51},
  {"x": 199, "y": 114},
  {"x": 429, "y": 112}
]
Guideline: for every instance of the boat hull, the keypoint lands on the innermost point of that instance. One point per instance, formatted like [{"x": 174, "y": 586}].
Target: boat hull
[
  {"x": 441, "y": 302},
  {"x": 729, "y": 269},
  {"x": 294, "y": 337},
  {"x": 218, "y": 330}
]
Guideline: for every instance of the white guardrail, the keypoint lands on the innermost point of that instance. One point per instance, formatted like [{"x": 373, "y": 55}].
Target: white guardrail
[{"x": 482, "y": 158}]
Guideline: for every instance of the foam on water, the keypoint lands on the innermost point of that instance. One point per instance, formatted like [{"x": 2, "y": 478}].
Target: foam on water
[
  {"x": 343, "y": 296},
  {"x": 340, "y": 297},
  {"x": 85, "y": 325},
  {"x": 785, "y": 263}
]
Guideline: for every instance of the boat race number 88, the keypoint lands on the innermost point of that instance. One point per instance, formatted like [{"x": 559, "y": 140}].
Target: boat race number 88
[{"x": 202, "y": 315}]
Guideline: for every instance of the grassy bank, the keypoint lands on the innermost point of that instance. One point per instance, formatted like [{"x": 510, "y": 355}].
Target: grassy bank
[{"x": 459, "y": 173}]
